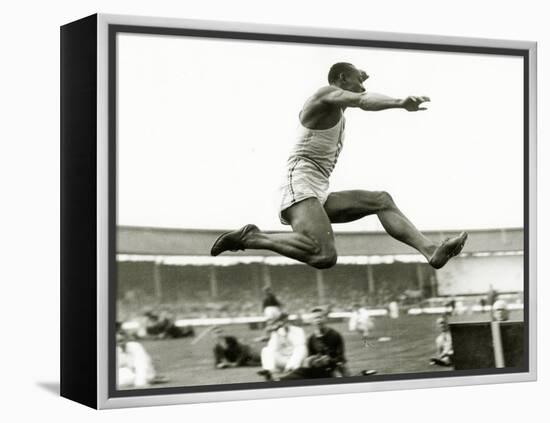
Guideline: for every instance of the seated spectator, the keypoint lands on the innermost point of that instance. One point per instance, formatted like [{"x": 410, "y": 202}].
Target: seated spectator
[
  {"x": 134, "y": 365},
  {"x": 444, "y": 345},
  {"x": 285, "y": 350},
  {"x": 229, "y": 352},
  {"x": 326, "y": 351}
]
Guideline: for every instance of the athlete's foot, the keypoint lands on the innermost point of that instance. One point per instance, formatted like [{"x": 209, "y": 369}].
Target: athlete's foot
[
  {"x": 448, "y": 249},
  {"x": 232, "y": 241}
]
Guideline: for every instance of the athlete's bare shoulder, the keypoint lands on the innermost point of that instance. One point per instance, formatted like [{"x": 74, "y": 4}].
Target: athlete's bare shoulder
[
  {"x": 317, "y": 113},
  {"x": 321, "y": 94},
  {"x": 338, "y": 98}
]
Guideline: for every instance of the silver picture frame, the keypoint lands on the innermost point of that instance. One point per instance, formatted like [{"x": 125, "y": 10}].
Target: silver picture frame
[{"x": 91, "y": 44}]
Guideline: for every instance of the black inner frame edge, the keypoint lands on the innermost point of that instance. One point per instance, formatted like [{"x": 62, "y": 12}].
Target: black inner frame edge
[{"x": 114, "y": 29}]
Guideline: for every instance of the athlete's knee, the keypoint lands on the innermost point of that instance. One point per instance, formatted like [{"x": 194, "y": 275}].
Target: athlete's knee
[
  {"x": 385, "y": 200},
  {"x": 324, "y": 260}
]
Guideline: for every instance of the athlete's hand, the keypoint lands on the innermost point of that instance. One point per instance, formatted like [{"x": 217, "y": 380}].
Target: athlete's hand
[{"x": 412, "y": 103}]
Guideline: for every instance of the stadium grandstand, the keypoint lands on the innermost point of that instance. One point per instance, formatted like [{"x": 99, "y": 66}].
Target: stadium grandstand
[{"x": 171, "y": 269}]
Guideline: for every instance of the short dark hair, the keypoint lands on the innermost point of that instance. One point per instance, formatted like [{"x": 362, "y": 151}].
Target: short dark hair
[{"x": 337, "y": 69}]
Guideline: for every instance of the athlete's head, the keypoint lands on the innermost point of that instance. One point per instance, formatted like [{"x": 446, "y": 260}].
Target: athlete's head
[{"x": 347, "y": 76}]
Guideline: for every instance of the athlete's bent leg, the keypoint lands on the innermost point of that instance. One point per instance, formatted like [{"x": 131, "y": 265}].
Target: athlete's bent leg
[
  {"x": 347, "y": 206},
  {"x": 309, "y": 218},
  {"x": 312, "y": 241}
]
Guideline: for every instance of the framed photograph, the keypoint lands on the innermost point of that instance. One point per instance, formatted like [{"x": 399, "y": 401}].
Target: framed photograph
[{"x": 254, "y": 211}]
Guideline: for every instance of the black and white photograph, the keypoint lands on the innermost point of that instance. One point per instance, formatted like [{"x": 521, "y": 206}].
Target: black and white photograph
[
  {"x": 275, "y": 211},
  {"x": 293, "y": 211}
]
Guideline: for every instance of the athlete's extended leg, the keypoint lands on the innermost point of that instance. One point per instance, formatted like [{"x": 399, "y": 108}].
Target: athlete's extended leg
[
  {"x": 312, "y": 241},
  {"x": 347, "y": 206}
]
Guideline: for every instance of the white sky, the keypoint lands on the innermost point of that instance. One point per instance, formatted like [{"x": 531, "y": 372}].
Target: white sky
[{"x": 205, "y": 127}]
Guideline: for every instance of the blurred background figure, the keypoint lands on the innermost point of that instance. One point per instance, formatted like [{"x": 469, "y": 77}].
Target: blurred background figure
[
  {"x": 361, "y": 322},
  {"x": 285, "y": 350},
  {"x": 135, "y": 367},
  {"x": 488, "y": 301},
  {"x": 230, "y": 352},
  {"x": 483, "y": 304},
  {"x": 450, "y": 306},
  {"x": 491, "y": 295},
  {"x": 444, "y": 345},
  {"x": 500, "y": 311},
  {"x": 271, "y": 306},
  {"x": 393, "y": 309},
  {"x": 163, "y": 325}
]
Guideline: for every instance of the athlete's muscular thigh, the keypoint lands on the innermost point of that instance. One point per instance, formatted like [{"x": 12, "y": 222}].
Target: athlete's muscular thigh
[
  {"x": 347, "y": 206},
  {"x": 309, "y": 218}
]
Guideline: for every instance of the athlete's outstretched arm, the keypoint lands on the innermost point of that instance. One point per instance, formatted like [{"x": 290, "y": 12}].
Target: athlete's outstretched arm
[
  {"x": 375, "y": 102},
  {"x": 370, "y": 101}
]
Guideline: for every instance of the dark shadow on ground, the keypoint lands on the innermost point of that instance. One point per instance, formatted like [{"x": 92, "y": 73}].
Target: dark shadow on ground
[{"x": 51, "y": 387}]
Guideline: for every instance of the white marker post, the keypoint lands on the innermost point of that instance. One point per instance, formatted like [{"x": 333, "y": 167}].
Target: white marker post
[{"x": 497, "y": 345}]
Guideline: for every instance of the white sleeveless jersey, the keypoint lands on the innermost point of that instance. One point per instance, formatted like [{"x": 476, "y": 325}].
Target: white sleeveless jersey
[
  {"x": 310, "y": 164},
  {"x": 321, "y": 147}
]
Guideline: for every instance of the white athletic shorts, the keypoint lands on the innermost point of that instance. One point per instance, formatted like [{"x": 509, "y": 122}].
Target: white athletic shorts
[{"x": 303, "y": 180}]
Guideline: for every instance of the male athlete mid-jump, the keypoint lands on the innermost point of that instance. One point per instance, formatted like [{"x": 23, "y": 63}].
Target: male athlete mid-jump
[{"x": 306, "y": 203}]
